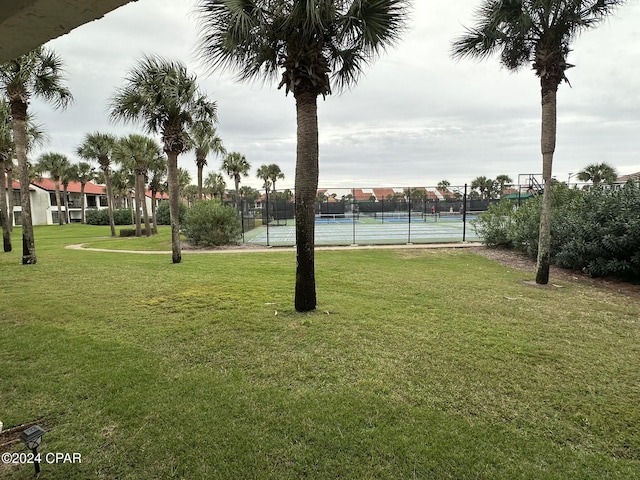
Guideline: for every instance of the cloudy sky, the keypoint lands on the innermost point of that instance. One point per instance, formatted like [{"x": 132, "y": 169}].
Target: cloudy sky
[{"x": 415, "y": 118}]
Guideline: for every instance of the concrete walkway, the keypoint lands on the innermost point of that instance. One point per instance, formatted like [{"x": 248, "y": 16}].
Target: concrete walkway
[{"x": 256, "y": 249}]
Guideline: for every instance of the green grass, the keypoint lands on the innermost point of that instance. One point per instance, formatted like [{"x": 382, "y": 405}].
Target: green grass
[{"x": 418, "y": 364}]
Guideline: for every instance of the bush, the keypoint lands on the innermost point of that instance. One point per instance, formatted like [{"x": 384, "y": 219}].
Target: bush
[
  {"x": 211, "y": 223},
  {"x": 121, "y": 216},
  {"x": 163, "y": 215},
  {"x": 494, "y": 225},
  {"x": 596, "y": 230},
  {"x": 602, "y": 233}
]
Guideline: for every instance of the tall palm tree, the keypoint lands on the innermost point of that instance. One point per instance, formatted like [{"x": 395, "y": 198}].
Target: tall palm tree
[
  {"x": 157, "y": 173},
  {"x": 83, "y": 174},
  {"x": 236, "y": 166},
  {"x": 275, "y": 174},
  {"x": 35, "y": 137},
  {"x": 215, "y": 185},
  {"x": 55, "y": 164},
  {"x": 204, "y": 140},
  {"x": 305, "y": 44},
  {"x": 37, "y": 73},
  {"x": 597, "y": 173},
  {"x": 166, "y": 99},
  {"x": 6, "y": 156},
  {"x": 136, "y": 153},
  {"x": 99, "y": 146},
  {"x": 537, "y": 33}
]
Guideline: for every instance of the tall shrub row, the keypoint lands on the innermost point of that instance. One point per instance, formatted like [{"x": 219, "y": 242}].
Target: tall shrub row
[{"x": 596, "y": 230}]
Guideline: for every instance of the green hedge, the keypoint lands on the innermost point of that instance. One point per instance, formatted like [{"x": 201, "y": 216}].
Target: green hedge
[
  {"x": 595, "y": 230},
  {"x": 121, "y": 216},
  {"x": 163, "y": 216}
]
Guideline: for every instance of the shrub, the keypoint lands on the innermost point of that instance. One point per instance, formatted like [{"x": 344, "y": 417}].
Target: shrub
[
  {"x": 596, "y": 230},
  {"x": 121, "y": 216},
  {"x": 603, "y": 233},
  {"x": 163, "y": 215},
  {"x": 494, "y": 225},
  {"x": 211, "y": 224}
]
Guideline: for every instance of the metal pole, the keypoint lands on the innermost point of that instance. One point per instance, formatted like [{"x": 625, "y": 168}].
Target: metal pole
[
  {"x": 353, "y": 213},
  {"x": 464, "y": 214},
  {"x": 409, "y": 206},
  {"x": 267, "y": 217}
]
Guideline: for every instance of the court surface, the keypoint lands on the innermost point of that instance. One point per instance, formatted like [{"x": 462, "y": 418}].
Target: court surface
[{"x": 349, "y": 232}]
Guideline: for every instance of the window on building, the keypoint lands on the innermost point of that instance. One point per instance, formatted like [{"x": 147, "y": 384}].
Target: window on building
[
  {"x": 53, "y": 199},
  {"x": 91, "y": 201},
  {"x": 103, "y": 201},
  {"x": 16, "y": 197},
  {"x": 17, "y": 218}
]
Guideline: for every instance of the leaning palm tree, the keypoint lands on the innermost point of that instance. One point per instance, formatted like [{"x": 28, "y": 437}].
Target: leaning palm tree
[
  {"x": 99, "y": 146},
  {"x": 236, "y": 166},
  {"x": 314, "y": 47},
  {"x": 55, "y": 164},
  {"x": 597, "y": 173},
  {"x": 204, "y": 140},
  {"x": 37, "y": 73},
  {"x": 537, "y": 33},
  {"x": 166, "y": 99}
]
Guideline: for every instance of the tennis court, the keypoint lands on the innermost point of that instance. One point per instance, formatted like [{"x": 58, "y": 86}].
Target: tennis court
[{"x": 370, "y": 230}]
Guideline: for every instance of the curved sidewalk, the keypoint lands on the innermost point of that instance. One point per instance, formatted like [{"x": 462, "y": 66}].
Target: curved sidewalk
[{"x": 80, "y": 246}]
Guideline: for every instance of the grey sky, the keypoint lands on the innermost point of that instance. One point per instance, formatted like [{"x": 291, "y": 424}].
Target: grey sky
[{"x": 416, "y": 117}]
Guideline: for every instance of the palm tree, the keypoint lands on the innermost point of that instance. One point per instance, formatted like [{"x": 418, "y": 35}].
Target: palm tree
[
  {"x": 37, "y": 73},
  {"x": 597, "y": 173},
  {"x": 443, "y": 185},
  {"x": 204, "y": 140},
  {"x": 304, "y": 44},
  {"x": 6, "y": 156},
  {"x": 484, "y": 185},
  {"x": 215, "y": 185},
  {"x": 157, "y": 173},
  {"x": 166, "y": 99},
  {"x": 55, "y": 164},
  {"x": 83, "y": 174},
  {"x": 537, "y": 33},
  {"x": 275, "y": 174},
  {"x": 136, "y": 153},
  {"x": 236, "y": 166},
  {"x": 501, "y": 181},
  {"x": 99, "y": 146}
]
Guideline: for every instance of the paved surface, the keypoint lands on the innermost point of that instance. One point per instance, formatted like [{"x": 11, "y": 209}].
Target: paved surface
[{"x": 424, "y": 246}]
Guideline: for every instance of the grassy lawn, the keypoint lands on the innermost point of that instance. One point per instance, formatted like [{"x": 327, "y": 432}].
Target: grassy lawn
[{"x": 425, "y": 364}]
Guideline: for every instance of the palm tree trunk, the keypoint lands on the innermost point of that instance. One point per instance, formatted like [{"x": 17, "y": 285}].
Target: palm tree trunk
[
  {"x": 4, "y": 216},
  {"x": 174, "y": 205},
  {"x": 154, "y": 219},
  {"x": 19, "y": 114},
  {"x": 107, "y": 182},
  {"x": 138, "y": 205},
  {"x": 306, "y": 180},
  {"x": 59, "y": 202},
  {"x": 82, "y": 203},
  {"x": 10, "y": 187},
  {"x": 549, "y": 88},
  {"x": 145, "y": 210},
  {"x": 200, "y": 165},
  {"x": 67, "y": 215}
]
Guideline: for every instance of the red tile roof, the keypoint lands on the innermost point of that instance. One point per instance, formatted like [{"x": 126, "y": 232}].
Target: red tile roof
[{"x": 74, "y": 187}]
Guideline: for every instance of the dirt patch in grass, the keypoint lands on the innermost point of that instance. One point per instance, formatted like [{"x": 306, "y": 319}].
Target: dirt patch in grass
[{"x": 520, "y": 261}]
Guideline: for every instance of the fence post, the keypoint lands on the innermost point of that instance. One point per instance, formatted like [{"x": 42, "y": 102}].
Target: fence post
[
  {"x": 409, "y": 207},
  {"x": 464, "y": 214}
]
